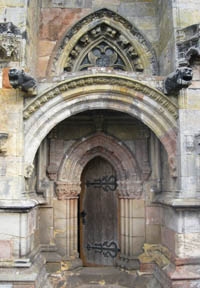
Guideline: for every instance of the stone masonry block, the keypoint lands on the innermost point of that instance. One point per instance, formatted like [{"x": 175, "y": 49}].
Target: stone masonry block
[
  {"x": 5, "y": 249},
  {"x": 137, "y": 208},
  {"x": 60, "y": 209},
  {"x": 153, "y": 234},
  {"x": 153, "y": 215}
]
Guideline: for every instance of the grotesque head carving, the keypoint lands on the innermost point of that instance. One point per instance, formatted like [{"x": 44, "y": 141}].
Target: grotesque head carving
[
  {"x": 20, "y": 79},
  {"x": 178, "y": 80},
  {"x": 185, "y": 73}
]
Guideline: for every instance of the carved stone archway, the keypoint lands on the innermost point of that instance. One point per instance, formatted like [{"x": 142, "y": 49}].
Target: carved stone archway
[
  {"x": 129, "y": 182},
  {"x": 129, "y": 174},
  {"x": 101, "y": 91}
]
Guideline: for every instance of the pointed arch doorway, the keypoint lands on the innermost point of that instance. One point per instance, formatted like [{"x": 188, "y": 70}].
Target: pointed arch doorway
[{"x": 99, "y": 210}]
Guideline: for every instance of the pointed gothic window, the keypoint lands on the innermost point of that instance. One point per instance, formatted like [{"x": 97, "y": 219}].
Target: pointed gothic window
[
  {"x": 104, "y": 47},
  {"x": 105, "y": 39}
]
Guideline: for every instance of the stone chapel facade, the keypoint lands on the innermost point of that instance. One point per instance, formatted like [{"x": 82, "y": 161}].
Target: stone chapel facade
[{"x": 99, "y": 139}]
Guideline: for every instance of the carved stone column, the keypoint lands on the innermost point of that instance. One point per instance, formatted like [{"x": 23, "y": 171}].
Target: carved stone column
[
  {"x": 69, "y": 192},
  {"x": 130, "y": 200}
]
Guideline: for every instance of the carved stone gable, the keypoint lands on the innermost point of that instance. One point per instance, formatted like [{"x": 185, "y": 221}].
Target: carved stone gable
[
  {"x": 104, "y": 46},
  {"x": 104, "y": 39}
]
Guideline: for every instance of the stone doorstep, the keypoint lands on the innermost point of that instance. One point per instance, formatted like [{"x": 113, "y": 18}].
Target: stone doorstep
[
  {"x": 100, "y": 286},
  {"x": 109, "y": 277}
]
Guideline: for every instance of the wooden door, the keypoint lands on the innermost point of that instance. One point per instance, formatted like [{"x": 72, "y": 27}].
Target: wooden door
[{"x": 99, "y": 214}]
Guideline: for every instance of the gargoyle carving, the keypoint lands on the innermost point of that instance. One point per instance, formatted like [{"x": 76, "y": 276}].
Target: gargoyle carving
[
  {"x": 20, "y": 79},
  {"x": 178, "y": 80}
]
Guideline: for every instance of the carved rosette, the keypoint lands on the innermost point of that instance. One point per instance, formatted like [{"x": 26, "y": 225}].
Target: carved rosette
[{"x": 65, "y": 190}]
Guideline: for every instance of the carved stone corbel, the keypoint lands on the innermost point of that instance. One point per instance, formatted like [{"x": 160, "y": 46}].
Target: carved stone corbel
[
  {"x": 178, "y": 80},
  {"x": 25, "y": 82},
  {"x": 3, "y": 141}
]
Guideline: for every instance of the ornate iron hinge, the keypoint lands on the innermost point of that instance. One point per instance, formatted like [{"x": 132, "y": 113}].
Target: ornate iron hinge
[
  {"x": 107, "y": 183},
  {"x": 108, "y": 249}
]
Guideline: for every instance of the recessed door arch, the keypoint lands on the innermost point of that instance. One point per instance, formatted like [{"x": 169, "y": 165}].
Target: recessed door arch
[
  {"x": 90, "y": 92},
  {"x": 99, "y": 214}
]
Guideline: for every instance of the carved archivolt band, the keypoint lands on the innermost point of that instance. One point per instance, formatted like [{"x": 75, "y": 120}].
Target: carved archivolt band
[
  {"x": 129, "y": 175},
  {"x": 102, "y": 80}
]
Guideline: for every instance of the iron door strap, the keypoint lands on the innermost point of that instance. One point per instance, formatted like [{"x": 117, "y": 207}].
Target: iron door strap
[
  {"x": 107, "y": 183},
  {"x": 108, "y": 249}
]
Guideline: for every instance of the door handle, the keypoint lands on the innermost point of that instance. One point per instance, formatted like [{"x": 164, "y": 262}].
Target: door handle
[{"x": 83, "y": 215}]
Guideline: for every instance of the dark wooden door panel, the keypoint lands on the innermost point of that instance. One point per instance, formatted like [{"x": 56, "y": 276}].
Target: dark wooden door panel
[{"x": 99, "y": 207}]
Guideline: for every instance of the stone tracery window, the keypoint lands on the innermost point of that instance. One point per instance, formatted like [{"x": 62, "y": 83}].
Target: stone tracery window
[
  {"x": 104, "y": 46},
  {"x": 104, "y": 39}
]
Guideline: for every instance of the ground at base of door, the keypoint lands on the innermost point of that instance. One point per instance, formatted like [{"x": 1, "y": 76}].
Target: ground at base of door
[{"x": 100, "y": 278}]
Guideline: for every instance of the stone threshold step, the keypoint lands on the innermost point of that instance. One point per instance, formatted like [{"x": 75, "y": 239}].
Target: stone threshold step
[{"x": 101, "y": 286}]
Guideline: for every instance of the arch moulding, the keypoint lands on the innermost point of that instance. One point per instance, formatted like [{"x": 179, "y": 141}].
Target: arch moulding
[
  {"x": 101, "y": 91},
  {"x": 129, "y": 175}
]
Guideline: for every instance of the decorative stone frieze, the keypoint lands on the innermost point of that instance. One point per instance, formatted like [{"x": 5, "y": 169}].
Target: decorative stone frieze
[
  {"x": 104, "y": 39},
  {"x": 65, "y": 190},
  {"x": 101, "y": 79},
  {"x": 130, "y": 189},
  {"x": 3, "y": 141},
  {"x": 10, "y": 42}
]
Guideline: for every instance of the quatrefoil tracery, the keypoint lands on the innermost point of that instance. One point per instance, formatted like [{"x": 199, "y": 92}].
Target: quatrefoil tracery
[{"x": 104, "y": 46}]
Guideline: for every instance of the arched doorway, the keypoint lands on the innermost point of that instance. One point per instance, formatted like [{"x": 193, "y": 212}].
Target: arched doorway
[
  {"x": 128, "y": 149},
  {"x": 99, "y": 209}
]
